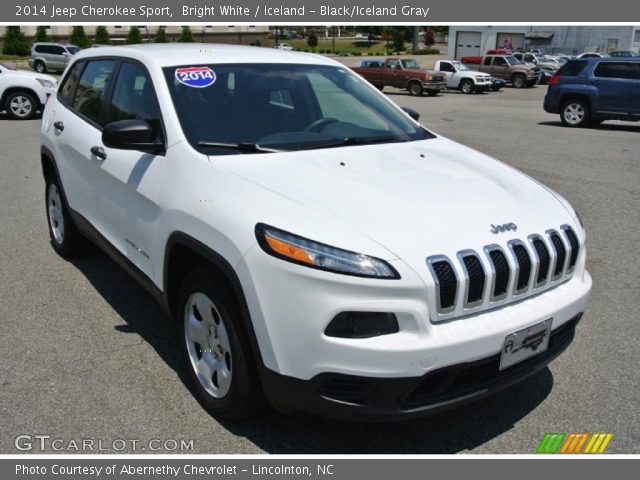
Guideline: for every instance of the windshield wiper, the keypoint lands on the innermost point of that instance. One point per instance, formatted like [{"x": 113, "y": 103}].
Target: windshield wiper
[
  {"x": 243, "y": 147},
  {"x": 356, "y": 141}
]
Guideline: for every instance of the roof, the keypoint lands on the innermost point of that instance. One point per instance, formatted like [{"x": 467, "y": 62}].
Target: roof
[{"x": 165, "y": 55}]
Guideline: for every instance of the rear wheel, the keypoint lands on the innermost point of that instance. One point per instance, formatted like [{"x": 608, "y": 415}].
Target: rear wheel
[
  {"x": 575, "y": 113},
  {"x": 415, "y": 89},
  {"x": 215, "y": 347},
  {"x": 21, "y": 106},
  {"x": 65, "y": 237},
  {"x": 40, "y": 67}
]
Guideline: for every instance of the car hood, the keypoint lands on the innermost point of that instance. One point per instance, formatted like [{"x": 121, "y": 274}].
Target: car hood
[
  {"x": 416, "y": 199},
  {"x": 33, "y": 75}
]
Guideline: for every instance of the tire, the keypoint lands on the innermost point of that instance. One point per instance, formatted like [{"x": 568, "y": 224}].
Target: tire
[
  {"x": 21, "y": 106},
  {"x": 215, "y": 347},
  {"x": 466, "y": 86},
  {"x": 415, "y": 89},
  {"x": 40, "y": 67},
  {"x": 518, "y": 81},
  {"x": 65, "y": 237},
  {"x": 433, "y": 93},
  {"x": 575, "y": 113}
]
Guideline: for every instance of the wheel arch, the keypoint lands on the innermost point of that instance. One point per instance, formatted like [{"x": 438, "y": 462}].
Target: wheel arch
[
  {"x": 20, "y": 89},
  {"x": 575, "y": 96},
  {"x": 183, "y": 253}
]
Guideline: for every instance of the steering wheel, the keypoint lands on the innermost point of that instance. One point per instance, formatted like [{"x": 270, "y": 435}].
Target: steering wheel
[{"x": 320, "y": 124}]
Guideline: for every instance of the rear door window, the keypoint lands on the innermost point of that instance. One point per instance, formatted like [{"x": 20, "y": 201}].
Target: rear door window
[
  {"x": 93, "y": 83},
  {"x": 614, "y": 70}
]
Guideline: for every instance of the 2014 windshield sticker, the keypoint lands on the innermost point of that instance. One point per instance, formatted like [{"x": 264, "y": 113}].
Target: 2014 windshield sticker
[{"x": 197, "y": 77}]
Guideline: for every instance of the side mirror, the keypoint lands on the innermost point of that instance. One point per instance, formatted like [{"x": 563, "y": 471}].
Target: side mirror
[
  {"x": 131, "y": 135},
  {"x": 412, "y": 113}
]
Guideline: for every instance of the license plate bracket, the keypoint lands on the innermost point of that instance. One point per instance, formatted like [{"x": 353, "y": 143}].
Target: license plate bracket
[{"x": 525, "y": 343}]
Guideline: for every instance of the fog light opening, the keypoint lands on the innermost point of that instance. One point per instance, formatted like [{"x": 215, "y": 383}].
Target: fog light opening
[{"x": 362, "y": 325}]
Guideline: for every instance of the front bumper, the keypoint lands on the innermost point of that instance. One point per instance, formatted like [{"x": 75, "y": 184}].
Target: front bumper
[
  {"x": 434, "y": 85},
  {"x": 386, "y": 399}
]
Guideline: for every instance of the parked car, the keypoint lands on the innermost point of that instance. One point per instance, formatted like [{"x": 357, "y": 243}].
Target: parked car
[
  {"x": 590, "y": 90},
  {"x": 497, "y": 84},
  {"x": 624, "y": 54},
  {"x": 510, "y": 69},
  {"x": 22, "y": 93},
  {"x": 310, "y": 239},
  {"x": 542, "y": 62},
  {"x": 51, "y": 56},
  {"x": 460, "y": 77},
  {"x": 402, "y": 73},
  {"x": 284, "y": 46},
  {"x": 590, "y": 55}
]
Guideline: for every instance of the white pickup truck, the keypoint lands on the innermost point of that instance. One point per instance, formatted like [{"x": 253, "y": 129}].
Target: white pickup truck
[{"x": 460, "y": 77}]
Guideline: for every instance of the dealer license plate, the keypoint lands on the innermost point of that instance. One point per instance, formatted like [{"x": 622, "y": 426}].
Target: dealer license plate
[{"x": 525, "y": 343}]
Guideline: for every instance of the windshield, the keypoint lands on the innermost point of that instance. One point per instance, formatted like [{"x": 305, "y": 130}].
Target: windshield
[
  {"x": 512, "y": 60},
  {"x": 282, "y": 107},
  {"x": 410, "y": 64},
  {"x": 461, "y": 67}
]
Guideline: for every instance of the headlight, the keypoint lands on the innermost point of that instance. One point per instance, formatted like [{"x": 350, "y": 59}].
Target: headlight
[
  {"x": 46, "y": 83},
  {"x": 303, "y": 251}
]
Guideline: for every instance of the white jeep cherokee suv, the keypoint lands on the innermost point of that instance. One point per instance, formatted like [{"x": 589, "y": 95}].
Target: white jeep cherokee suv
[{"x": 315, "y": 245}]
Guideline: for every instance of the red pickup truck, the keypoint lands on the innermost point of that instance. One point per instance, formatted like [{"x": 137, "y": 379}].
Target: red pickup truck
[
  {"x": 402, "y": 73},
  {"x": 494, "y": 51}
]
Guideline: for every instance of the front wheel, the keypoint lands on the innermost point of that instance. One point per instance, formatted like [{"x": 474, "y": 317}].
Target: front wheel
[
  {"x": 519, "y": 81},
  {"x": 215, "y": 347},
  {"x": 466, "y": 86},
  {"x": 575, "y": 113},
  {"x": 21, "y": 106},
  {"x": 415, "y": 89}
]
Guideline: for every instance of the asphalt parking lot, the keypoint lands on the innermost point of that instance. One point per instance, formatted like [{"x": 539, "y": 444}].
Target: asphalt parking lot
[{"x": 86, "y": 353}]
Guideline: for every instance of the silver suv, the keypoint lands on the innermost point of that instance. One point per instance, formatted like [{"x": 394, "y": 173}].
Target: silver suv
[{"x": 51, "y": 56}]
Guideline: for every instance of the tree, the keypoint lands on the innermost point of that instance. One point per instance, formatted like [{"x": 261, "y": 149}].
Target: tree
[
  {"x": 102, "y": 36},
  {"x": 429, "y": 37},
  {"x": 41, "y": 35},
  {"x": 134, "y": 36},
  {"x": 161, "y": 36},
  {"x": 78, "y": 37},
  {"x": 186, "y": 36},
  {"x": 14, "y": 42},
  {"x": 312, "y": 40}
]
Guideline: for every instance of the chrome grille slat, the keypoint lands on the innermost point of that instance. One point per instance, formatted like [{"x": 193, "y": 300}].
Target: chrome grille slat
[{"x": 497, "y": 275}]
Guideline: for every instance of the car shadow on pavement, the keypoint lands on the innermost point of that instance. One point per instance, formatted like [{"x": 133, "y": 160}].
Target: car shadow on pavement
[
  {"x": 618, "y": 127},
  {"x": 453, "y": 431}
]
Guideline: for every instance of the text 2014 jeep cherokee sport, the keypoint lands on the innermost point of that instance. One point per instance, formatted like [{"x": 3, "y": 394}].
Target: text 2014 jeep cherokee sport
[{"x": 313, "y": 242}]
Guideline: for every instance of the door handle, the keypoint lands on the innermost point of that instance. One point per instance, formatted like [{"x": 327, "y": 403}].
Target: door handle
[
  {"x": 99, "y": 152},
  {"x": 58, "y": 125}
]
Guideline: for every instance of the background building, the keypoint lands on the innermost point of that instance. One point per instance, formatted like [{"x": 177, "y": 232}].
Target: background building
[
  {"x": 240, "y": 34},
  {"x": 474, "y": 40}
]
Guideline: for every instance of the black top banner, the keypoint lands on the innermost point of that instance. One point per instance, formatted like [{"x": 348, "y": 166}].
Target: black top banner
[{"x": 319, "y": 12}]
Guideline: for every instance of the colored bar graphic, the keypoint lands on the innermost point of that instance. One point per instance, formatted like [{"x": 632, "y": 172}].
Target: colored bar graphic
[{"x": 572, "y": 443}]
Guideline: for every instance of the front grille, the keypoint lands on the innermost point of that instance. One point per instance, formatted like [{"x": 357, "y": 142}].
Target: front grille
[
  {"x": 502, "y": 272},
  {"x": 561, "y": 253},
  {"x": 544, "y": 260},
  {"x": 447, "y": 283},
  {"x": 475, "y": 277},
  {"x": 526, "y": 267},
  {"x": 575, "y": 246}
]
